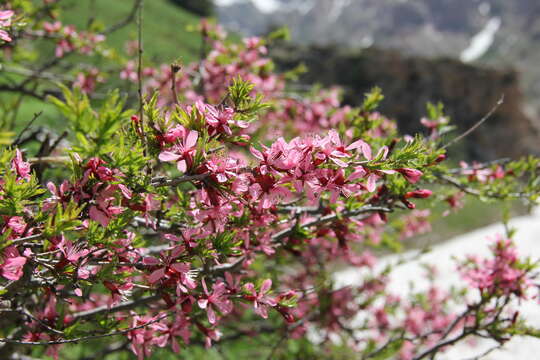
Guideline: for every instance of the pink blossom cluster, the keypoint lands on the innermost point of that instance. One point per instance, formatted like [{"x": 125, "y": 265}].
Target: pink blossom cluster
[
  {"x": 5, "y": 23},
  {"x": 503, "y": 273},
  {"x": 69, "y": 40}
]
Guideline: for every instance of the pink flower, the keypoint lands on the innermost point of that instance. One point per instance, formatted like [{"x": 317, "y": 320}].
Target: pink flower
[
  {"x": 168, "y": 268},
  {"x": 261, "y": 301},
  {"x": 183, "y": 152},
  {"x": 52, "y": 28},
  {"x": 266, "y": 189},
  {"x": 332, "y": 148},
  {"x": 12, "y": 268},
  {"x": 218, "y": 119},
  {"x": 71, "y": 252},
  {"x": 211, "y": 334},
  {"x": 5, "y": 17},
  {"x": 129, "y": 72},
  {"x": 15, "y": 224},
  {"x": 414, "y": 322},
  {"x": 21, "y": 167},
  {"x": 217, "y": 299},
  {"x": 222, "y": 170},
  {"x": 87, "y": 81},
  {"x": 119, "y": 292},
  {"x": 5, "y": 22},
  {"x": 144, "y": 338},
  {"x": 105, "y": 210},
  {"x": 502, "y": 273},
  {"x": 170, "y": 332}
]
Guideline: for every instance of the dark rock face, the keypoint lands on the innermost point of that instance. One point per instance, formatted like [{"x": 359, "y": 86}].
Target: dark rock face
[
  {"x": 432, "y": 28},
  {"x": 408, "y": 83}
]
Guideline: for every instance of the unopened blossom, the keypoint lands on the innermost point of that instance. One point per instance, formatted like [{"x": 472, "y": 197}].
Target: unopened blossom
[
  {"x": 412, "y": 175},
  {"x": 419, "y": 194}
]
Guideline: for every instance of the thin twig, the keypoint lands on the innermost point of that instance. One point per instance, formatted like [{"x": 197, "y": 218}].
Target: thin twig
[
  {"x": 479, "y": 166},
  {"x": 34, "y": 118},
  {"x": 140, "y": 4},
  {"x": 41, "y": 322},
  {"x": 82, "y": 338},
  {"x": 487, "y": 352},
  {"x": 174, "y": 69},
  {"x": 161, "y": 181},
  {"x": 131, "y": 16},
  {"x": 126, "y": 305},
  {"x": 329, "y": 218},
  {"x": 475, "y": 126},
  {"x": 437, "y": 347},
  {"x": 50, "y": 159}
]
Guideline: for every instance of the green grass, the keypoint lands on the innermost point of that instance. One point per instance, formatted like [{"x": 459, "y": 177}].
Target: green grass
[
  {"x": 165, "y": 26},
  {"x": 165, "y": 39}
]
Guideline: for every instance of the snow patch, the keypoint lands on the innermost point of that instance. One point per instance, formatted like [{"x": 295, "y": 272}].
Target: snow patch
[
  {"x": 484, "y": 8},
  {"x": 481, "y": 42},
  {"x": 226, "y": 2},
  {"x": 305, "y": 7},
  {"x": 337, "y": 9},
  {"x": 264, "y": 6},
  {"x": 477, "y": 243}
]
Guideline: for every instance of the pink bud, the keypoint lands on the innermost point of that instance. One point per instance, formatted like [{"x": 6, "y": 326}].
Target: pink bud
[{"x": 419, "y": 194}]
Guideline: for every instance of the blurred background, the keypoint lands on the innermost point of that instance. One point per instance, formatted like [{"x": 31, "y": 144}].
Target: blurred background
[{"x": 465, "y": 53}]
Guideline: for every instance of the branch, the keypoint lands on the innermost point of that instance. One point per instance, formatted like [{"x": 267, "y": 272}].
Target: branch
[
  {"x": 49, "y": 159},
  {"x": 480, "y": 166},
  {"x": 487, "y": 352},
  {"x": 18, "y": 139},
  {"x": 162, "y": 181},
  {"x": 23, "y": 90},
  {"x": 475, "y": 126},
  {"x": 329, "y": 218},
  {"x": 443, "y": 344},
  {"x": 139, "y": 7},
  {"x": 130, "y": 18},
  {"x": 126, "y": 305},
  {"x": 468, "y": 190},
  {"x": 83, "y": 338}
]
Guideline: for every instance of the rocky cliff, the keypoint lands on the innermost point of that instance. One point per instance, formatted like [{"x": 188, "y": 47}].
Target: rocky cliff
[
  {"x": 500, "y": 33},
  {"x": 408, "y": 82}
]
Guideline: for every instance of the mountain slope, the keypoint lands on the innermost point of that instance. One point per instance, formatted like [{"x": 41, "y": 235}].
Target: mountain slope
[{"x": 488, "y": 32}]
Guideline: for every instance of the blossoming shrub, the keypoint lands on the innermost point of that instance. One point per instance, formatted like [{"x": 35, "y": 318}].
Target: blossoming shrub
[{"x": 217, "y": 212}]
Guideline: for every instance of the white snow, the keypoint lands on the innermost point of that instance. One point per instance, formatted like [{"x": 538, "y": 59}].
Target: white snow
[
  {"x": 305, "y": 7},
  {"x": 481, "y": 42},
  {"x": 527, "y": 240},
  {"x": 264, "y": 6},
  {"x": 226, "y": 2},
  {"x": 337, "y": 9},
  {"x": 484, "y": 8}
]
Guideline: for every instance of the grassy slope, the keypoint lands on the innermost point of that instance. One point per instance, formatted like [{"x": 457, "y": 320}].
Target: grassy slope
[
  {"x": 165, "y": 39},
  {"x": 165, "y": 34}
]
